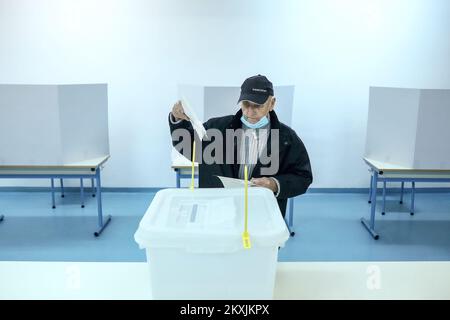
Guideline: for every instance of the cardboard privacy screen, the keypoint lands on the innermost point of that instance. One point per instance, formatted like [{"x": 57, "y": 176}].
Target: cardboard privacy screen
[
  {"x": 409, "y": 127},
  {"x": 53, "y": 124}
]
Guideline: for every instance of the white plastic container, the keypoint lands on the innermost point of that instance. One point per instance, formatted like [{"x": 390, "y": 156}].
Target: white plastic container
[{"x": 193, "y": 242}]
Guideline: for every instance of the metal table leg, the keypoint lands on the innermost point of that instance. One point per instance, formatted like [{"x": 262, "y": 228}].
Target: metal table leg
[
  {"x": 92, "y": 185},
  {"x": 101, "y": 224},
  {"x": 82, "y": 192},
  {"x": 291, "y": 217},
  {"x": 401, "y": 192},
  {"x": 370, "y": 189},
  {"x": 291, "y": 233},
  {"x": 370, "y": 226},
  {"x": 413, "y": 189},
  {"x": 52, "y": 181},
  {"x": 62, "y": 187},
  {"x": 178, "y": 178},
  {"x": 291, "y": 212},
  {"x": 384, "y": 198}
]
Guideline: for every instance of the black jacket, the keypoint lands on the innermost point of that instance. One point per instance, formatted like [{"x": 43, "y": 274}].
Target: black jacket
[{"x": 294, "y": 172}]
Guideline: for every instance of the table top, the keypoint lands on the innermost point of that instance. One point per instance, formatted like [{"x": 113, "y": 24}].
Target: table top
[
  {"x": 390, "y": 168},
  {"x": 83, "y": 167},
  {"x": 184, "y": 166},
  {"x": 95, "y": 162},
  {"x": 294, "y": 280},
  {"x": 88, "y": 163}
]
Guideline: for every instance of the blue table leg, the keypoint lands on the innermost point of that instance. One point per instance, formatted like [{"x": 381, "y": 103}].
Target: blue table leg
[
  {"x": 92, "y": 185},
  {"x": 178, "y": 178},
  {"x": 384, "y": 198},
  {"x": 291, "y": 233},
  {"x": 101, "y": 224},
  {"x": 401, "y": 192},
  {"x": 52, "y": 181},
  {"x": 82, "y": 192},
  {"x": 291, "y": 212},
  {"x": 370, "y": 189},
  {"x": 62, "y": 187},
  {"x": 413, "y": 189},
  {"x": 370, "y": 226},
  {"x": 291, "y": 217}
]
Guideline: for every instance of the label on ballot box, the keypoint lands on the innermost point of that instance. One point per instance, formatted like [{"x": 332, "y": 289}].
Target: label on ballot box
[{"x": 193, "y": 241}]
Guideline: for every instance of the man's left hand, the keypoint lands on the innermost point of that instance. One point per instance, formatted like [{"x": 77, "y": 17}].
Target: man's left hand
[{"x": 266, "y": 183}]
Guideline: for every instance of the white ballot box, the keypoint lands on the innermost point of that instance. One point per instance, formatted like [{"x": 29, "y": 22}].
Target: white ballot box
[{"x": 193, "y": 242}]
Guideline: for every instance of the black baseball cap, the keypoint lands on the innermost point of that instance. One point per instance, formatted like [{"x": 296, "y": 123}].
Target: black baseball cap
[{"x": 256, "y": 89}]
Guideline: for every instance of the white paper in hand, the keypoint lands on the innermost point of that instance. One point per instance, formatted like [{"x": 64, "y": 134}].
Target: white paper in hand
[
  {"x": 196, "y": 123},
  {"x": 233, "y": 183}
]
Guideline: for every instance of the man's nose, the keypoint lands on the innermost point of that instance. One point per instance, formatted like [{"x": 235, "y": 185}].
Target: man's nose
[{"x": 252, "y": 110}]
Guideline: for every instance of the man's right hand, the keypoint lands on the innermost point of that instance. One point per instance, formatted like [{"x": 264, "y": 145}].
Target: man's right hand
[{"x": 178, "y": 112}]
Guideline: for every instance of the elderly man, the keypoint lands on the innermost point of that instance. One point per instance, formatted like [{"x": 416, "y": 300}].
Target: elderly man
[{"x": 287, "y": 174}]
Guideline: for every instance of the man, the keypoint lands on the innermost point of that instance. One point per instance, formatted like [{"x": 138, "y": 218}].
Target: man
[{"x": 259, "y": 124}]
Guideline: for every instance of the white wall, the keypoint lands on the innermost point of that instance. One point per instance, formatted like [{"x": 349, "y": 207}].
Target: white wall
[{"x": 332, "y": 51}]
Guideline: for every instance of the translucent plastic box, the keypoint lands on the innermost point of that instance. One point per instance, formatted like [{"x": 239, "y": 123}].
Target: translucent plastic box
[{"x": 193, "y": 242}]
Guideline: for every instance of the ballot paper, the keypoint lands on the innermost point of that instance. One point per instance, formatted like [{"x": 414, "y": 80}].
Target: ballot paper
[
  {"x": 196, "y": 123},
  {"x": 233, "y": 183}
]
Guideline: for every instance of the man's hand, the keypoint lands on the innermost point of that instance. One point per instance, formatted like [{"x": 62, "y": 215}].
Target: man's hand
[
  {"x": 266, "y": 183},
  {"x": 178, "y": 112}
]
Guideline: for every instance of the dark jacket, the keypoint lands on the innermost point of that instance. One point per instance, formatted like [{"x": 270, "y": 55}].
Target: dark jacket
[{"x": 294, "y": 172}]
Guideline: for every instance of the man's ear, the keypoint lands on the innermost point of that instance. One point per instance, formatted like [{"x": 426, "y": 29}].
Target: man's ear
[{"x": 272, "y": 104}]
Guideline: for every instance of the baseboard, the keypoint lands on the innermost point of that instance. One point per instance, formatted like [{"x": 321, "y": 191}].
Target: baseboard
[
  {"x": 379, "y": 190},
  {"x": 87, "y": 190}
]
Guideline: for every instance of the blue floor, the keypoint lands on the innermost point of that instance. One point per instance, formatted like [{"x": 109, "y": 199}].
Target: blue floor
[{"x": 327, "y": 228}]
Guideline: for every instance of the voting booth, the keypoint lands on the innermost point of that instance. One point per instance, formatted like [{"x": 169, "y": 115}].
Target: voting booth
[
  {"x": 409, "y": 127},
  {"x": 53, "y": 124},
  {"x": 194, "y": 247}
]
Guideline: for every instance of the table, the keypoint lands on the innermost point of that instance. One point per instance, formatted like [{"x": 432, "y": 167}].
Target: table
[
  {"x": 184, "y": 171},
  {"x": 294, "y": 280},
  {"x": 52, "y": 183},
  {"x": 386, "y": 172},
  {"x": 89, "y": 169}
]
